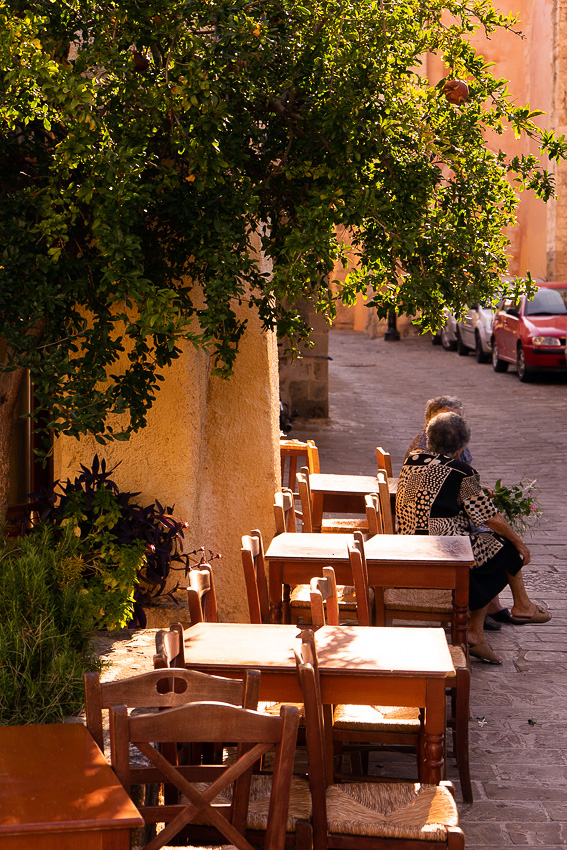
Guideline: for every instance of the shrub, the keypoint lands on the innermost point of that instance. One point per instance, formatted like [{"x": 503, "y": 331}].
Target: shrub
[
  {"x": 127, "y": 550},
  {"x": 46, "y": 627}
]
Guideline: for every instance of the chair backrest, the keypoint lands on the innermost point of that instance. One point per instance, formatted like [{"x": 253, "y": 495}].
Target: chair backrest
[
  {"x": 170, "y": 648},
  {"x": 201, "y": 596},
  {"x": 308, "y": 671},
  {"x": 254, "y": 566},
  {"x": 201, "y": 722},
  {"x": 157, "y": 689},
  {"x": 359, "y": 571},
  {"x": 373, "y": 514},
  {"x": 305, "y": 499},
  {"x": 324, "y": 599},
  {"x": 284, "y": 511},
  {"x": 384, "y": 460},
  {"x": 313, "y": 457},
  {"x": 385, "y": 504}
]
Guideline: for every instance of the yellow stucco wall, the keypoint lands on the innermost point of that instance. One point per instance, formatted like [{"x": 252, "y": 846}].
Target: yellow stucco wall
[{"x": 211, "y": 448}]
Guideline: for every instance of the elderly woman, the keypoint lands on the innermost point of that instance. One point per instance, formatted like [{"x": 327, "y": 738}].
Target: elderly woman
[
  {"x": 438, "y": 494},
  {"x": 497, "y": 613},
  {"x": 435, "y": 406}
]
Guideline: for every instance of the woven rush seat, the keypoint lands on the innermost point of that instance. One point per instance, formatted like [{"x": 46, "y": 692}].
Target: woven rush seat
[
  {"x": 458, "y": 656},
  {"x": 391, "y": 810},
  {"x": 413, "y": 599},
  {"x": 301, "y": 596},
  {"x": 300, "y": 807},
  {"x": 372, "y": 718}
]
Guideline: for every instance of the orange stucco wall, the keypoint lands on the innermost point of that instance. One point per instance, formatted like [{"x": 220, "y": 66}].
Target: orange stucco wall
[
  {"x": 537, "y": 72},
  {"x": 211, "y": 448}
]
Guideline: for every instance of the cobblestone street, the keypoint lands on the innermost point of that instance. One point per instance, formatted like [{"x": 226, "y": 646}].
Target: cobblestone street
[
  {"x": 518, "y": 730},
  {"x": 378, "y": 391}
]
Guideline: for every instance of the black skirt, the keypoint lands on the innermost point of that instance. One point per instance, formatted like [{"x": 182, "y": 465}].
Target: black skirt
[{"x": 487, "y": 581}]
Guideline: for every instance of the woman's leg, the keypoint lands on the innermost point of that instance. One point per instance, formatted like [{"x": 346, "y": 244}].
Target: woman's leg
[
  {"x": 475, "y": 632},
  {"x": 523, "y": 605}
]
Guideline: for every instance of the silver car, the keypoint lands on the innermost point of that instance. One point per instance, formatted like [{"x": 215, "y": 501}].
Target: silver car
[
  {"x": 474, "y": 332},
  {"x": 447, "y": 335}
]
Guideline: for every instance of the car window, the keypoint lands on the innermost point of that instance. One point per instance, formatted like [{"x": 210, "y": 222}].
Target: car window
[{"x": 547, "y": 301}]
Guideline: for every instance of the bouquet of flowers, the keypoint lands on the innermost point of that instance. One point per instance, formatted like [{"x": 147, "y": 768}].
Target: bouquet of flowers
[{"x": 518, "y": 504}]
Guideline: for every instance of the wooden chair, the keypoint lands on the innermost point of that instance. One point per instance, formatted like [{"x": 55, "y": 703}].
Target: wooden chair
[
  {"x": 227, "y": 810},
  {"x": 323, "y": 599},
  {"x": 369, "y": 815},
  {"x": 421, "y": 605},
  {"x": 362, "y": 727},
  {"x": 388, "y": 520},
  {"x": 384, "y": 460},
  {"x": 334, "y": 525},
  {"x": 156, "y": 690},
  {"x": 170, "y": 648},
  {"x": 254, "y": 566},
  {"x": 351, "y": 608},
  {"x": 284, "y": 511},
  {"x": 201, "y": 596},
  {"x": 313, "y": 457},
  {"x": 458, "y": 686},
  {"x": 291, "y": 451},
  {"x": 373, "y": 514}
]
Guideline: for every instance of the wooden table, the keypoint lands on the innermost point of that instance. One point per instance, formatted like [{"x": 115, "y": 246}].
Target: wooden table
[
  {"x": 343, "y": 494},
  {"x": 358, "y": 665},
  {"x": 393, "y": 560},
  {"x": 57, "y": 792}
]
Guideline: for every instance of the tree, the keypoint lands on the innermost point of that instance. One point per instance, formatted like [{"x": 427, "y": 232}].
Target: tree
[{"x": 145, "y": 146}]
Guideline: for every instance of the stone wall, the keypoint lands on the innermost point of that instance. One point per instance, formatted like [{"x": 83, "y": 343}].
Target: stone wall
[{"x": 304, "y": 381}]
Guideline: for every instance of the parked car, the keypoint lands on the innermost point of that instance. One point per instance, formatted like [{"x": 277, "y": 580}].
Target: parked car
[
  {"x": 474, "y": 332},
  {"x": 447, "y": 336},
  {"x": 531, "y": 334}
]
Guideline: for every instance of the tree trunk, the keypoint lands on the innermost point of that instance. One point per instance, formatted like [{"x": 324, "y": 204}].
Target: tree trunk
[{"x": 10, "y": 383}]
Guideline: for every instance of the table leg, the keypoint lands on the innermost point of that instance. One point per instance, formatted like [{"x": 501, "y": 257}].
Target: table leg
[
  {"x": 275, "y": 582},
  {"x": 461, "y": 623},
  {"x": 461, "y": 608},
  {"x": 434, "y": 731},
  {"x": 329, "y": 745}
]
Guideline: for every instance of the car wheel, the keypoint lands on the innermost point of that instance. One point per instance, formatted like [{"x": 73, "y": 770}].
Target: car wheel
[
  {"x": 462, "y": 350},
  {"x": 481, "y": 356},
  {"x": 447, "y": 343},
  {"x": 497, "y": 364},
  {"x": 436, "y": 338},
  {"x": 524, "y": 372}
]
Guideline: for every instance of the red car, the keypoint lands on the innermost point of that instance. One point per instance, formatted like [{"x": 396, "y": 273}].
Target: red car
[{"x": 531, "y": 335}]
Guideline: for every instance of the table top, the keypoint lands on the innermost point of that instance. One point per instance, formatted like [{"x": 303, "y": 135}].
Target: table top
[
  {"x": 326, "y": 482},
  {"x": 359, "y": 650},
  {"x": 55, "y": 778},
  {"x": 386, "y": 548}
]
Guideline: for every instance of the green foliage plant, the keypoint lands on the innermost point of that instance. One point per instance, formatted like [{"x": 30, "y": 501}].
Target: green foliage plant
[
  {"x": 126, "y": 550},
  {"x": 46, "y": 627},
  {"x": 147, "y": 150}
]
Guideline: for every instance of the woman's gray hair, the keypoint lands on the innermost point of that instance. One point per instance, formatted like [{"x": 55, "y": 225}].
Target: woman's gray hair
[
  {"x": 442, "y": 402},
  {"x": 447, "y": 434}
]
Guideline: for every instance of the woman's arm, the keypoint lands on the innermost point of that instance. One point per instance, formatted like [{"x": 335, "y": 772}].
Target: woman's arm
[{"x": 501, "y": 526}]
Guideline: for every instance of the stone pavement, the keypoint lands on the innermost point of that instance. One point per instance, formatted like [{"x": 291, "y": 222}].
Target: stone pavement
[{"x": 518, "y": 742}]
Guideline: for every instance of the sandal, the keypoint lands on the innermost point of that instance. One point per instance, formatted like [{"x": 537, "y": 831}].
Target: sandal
[
  {"x": 484, "y": 652},
  {"x": 540, "y": 615},
  {"x": 502, "y": 616}
]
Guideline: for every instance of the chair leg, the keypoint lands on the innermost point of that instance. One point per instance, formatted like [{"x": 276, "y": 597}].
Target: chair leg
[{"x": 462, "y": 702}]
